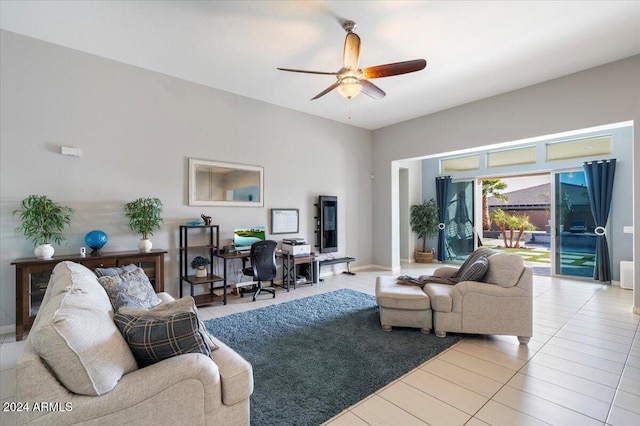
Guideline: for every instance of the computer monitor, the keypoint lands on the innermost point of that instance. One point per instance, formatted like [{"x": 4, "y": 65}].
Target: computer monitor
[{"x": 244, "y": 237}]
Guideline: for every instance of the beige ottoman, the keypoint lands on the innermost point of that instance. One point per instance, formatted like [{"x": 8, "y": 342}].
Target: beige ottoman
[{"x": 402, "y": 305}]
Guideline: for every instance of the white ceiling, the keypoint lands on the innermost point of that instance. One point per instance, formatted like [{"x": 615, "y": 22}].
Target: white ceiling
[{"x": 474, "y": 49}]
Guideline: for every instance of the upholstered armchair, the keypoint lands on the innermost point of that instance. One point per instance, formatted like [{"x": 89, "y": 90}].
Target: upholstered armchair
[{"x": 499, "y": 304}]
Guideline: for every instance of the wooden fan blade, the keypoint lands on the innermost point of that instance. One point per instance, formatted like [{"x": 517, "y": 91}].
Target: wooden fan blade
[
  {"x": 327, "y": 90},
  {"x": 351, "y": 56},
  {"x": 370, "y": 89},
  {"x": 309, "y": 72},
  {"x": 396, "y": 68}
]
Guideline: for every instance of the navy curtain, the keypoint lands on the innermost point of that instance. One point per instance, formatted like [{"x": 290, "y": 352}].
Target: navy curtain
[
  {"x": 600, "y": 176},
  {"x": 443, "y": 187}
]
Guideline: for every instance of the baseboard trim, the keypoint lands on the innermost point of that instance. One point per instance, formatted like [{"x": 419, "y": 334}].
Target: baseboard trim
[
  {"x": 7, "y": 329},
  {"x": 331, "y": 272},
  {"x": 363, "y": 267},
  {"x": 374, "y": 266}
]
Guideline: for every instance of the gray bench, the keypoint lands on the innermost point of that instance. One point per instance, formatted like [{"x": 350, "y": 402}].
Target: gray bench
[{"x": 335, "y": 261}]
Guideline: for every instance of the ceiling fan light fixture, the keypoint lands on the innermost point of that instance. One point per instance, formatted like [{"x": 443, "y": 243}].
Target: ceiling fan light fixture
[
  {"x": 349, "y": 87},
  {"x": 351, "y": 79}
]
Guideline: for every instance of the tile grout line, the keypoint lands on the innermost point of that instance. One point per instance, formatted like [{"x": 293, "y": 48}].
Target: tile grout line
[
  {"x": 528, "y": 361},
  {"x": 576, "y": 312},
  {"x": 595, "y": 294},
  {"x": 635, "y": 338}
]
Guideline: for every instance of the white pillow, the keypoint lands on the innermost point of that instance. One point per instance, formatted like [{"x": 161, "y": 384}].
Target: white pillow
[{"x": 75, "y": 334}]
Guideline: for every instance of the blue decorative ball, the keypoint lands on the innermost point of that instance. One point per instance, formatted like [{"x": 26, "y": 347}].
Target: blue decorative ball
[{"x": 96, "y": 239}]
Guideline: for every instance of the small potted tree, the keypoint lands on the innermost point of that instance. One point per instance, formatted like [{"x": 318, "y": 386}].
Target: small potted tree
[
  {"x": 200, "y": 263},
  {"x": 424, "y": 222},
  {"x": 144, "y": 217},
  {"x": 43, "y": 221}
]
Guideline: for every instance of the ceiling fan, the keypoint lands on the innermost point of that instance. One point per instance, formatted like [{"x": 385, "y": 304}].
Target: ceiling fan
[{"x": 353, "y": 80}]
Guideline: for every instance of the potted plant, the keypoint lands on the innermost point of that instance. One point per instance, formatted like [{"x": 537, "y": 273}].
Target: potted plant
[
  {"x": 144, "y": 217},
  {"x": 43, "y": 221},
  {"x": 199, "y": 263},
  {"x": 424, "y": 222}
]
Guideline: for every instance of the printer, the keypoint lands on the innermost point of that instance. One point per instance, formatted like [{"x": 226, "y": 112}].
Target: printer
[{"x": 296, "y": 247}]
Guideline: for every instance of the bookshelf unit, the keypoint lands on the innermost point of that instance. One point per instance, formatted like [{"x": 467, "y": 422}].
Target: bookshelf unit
[{"x": 200, "y": 240}]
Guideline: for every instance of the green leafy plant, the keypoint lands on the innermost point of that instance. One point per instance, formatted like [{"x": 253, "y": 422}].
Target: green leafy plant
[
  {"x": 144, "y": 215},
  {"x": 43, "y": 220},
  {"x": 424, "y": 220},
  {"x": 199, "y": 261},
  {"x": 491, "y": 187},
  {"x": 515, "y": 224}
]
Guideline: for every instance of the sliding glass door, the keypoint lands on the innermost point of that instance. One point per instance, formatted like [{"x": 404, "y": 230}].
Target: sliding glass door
[
  {"x": 575, "y": 241},
  {"x": 459, "y": 230}
]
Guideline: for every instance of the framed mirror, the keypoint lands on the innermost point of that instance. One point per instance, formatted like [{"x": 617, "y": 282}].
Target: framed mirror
[{"x": 214, "y": 183}]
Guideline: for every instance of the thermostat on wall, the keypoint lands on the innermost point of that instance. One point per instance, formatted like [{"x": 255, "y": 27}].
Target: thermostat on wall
[{"x": 71, "y": 151}]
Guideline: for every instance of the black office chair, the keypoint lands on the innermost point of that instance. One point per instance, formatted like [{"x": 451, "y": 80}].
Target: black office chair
[{"x": 263, "y": 266}]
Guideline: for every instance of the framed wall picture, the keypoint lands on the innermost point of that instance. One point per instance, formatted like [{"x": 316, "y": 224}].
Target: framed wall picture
[{"x": 285, "y": 221}]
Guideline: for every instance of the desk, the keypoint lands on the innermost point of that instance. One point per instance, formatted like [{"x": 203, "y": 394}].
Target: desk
[
  {"x": 225, "y": 258},
  {"x": 289, "y": 265}
]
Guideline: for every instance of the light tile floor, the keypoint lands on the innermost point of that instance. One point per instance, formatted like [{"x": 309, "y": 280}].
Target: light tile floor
[{"x": 581, "y": 367}]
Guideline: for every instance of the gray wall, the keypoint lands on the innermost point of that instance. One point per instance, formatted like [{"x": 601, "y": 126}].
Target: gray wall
[
  {"x": 136, "y": 130},
  {"x": 620, "y": 244},
  {"x": 599, "y": 96}
]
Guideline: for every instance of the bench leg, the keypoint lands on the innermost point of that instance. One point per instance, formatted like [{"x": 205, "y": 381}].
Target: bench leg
[
  {"x": 386, "y": 327},
  {"x": 348, "y": 271}
]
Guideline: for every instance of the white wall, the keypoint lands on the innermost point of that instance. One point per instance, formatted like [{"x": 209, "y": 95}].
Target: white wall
[
  {"x": 136, "y": 130},
  {"x": 599, "y": 96},
  {"x": 410, "y": 194}
]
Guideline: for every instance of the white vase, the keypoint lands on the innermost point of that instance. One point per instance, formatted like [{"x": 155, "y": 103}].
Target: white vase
[
  {"x": 201, "y": 272},
  {"x": 145, "y": 245},
  {"x": 44, "y": 251}
]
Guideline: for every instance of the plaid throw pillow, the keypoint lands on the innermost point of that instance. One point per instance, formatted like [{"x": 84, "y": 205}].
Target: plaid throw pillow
[
  {"x": 476, "y": 271},
  {"x": 154, "y": 339},
  {"x": 165, "y": 309}
]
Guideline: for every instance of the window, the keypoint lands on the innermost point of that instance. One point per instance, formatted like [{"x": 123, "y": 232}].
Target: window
[
  {"x": 511, "y": 157},
  {"x": 459, "y": 164},
  {"x": 579, "y": 148}
]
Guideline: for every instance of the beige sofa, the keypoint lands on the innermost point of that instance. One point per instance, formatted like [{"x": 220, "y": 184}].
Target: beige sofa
[
  {"x": 501, "y": 304},
  {"x": 84, "y": 352}
]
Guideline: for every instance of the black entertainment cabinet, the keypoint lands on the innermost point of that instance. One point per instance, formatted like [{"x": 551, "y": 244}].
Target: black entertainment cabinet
[{"x": 327, "y": 232}]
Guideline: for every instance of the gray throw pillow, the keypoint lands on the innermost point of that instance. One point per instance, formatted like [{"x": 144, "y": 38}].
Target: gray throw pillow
[
  {"x": 108, "y": 272},
  {"x": 154, "y": 339},
  {"x": 130, "y": 288},
  {"x": 476, "y": 271}
]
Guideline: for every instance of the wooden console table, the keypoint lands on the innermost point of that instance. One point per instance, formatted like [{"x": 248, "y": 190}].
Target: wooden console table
[{"x": 32, "y": 277}]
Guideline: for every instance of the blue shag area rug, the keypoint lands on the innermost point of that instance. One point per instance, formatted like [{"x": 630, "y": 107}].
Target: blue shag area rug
[{"x": 316, "y": 356}]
